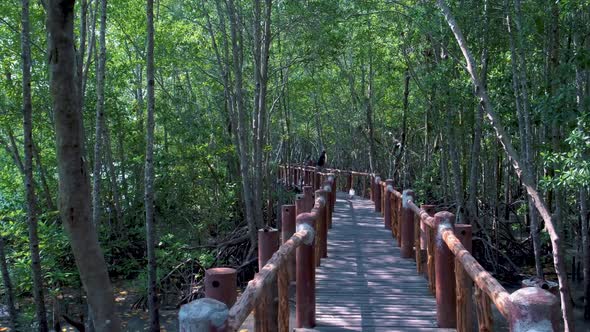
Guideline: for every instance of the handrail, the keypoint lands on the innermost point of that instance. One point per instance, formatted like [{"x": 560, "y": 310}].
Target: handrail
[
  {"x": 246, "y": 303},
  {"x": 531, "y": 306},
  {"x": 426, "y": 232},
  {"x": 308, "y": 243}
]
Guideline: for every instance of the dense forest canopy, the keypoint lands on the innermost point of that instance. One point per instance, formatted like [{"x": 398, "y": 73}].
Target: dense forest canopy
[{"x": 240, "y": 87}]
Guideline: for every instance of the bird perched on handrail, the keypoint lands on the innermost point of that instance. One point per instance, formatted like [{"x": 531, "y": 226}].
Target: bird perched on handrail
[{"x": 322, "y": 159}]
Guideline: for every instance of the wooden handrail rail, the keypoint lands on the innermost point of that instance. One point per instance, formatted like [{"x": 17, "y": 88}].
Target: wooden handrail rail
[
  {"x": 484, "y": 280},
  {"x": 312, "y": 223},
  {"x": 246, "y": 302}
]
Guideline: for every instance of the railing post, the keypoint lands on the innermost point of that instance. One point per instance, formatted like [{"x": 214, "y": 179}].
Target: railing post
[
  {"x": 321, "y": 228},
  {"x": 288, "y": 215},
  {"x": 383, "y": 187},
  {"x": 305, "y": 290},
  {"x": 221, "y": 284},
  {"x": 533, "y": 309},
  {"x": 266, "y": 313},
  {"x": 483, "y": 308},
  {"x": 430, "y": 249},
  {"x": 308, "y": 198},
  {"x": 387, "y": 205},
  {"x": 446, "y": 315},
  {"x": 318, "y": 178},
  {"x": 399, "y": 216},
  {"x": 407, "y": 225},
  {"x": 464, "y": 284},
  {"x": 349, "y": 184},
  {"x": 329, "y": 189},
  {"x": 377, "y": 193}
]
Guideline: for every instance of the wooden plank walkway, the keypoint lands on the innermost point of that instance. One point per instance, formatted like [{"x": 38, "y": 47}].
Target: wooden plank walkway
[{"x": 364, "y": 285}]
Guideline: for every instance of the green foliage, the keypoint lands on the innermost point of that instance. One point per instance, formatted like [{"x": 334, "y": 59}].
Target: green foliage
[{"x": 572, "y": 168}]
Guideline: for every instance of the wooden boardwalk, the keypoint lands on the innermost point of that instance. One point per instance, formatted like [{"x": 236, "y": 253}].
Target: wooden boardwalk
[{"x": 364, "y": 285}]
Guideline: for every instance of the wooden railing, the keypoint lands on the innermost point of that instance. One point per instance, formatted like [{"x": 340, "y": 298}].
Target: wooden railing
[
  {"x": 442, "y": 251},
  {"x": 304, "y": 242}
]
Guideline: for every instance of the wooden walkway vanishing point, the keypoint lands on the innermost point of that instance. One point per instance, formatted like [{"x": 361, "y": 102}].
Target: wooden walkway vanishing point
[{"x": 364, "y": 285}]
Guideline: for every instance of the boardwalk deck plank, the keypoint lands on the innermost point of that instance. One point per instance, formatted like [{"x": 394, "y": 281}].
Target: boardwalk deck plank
[{"x": 364, "y": 285}]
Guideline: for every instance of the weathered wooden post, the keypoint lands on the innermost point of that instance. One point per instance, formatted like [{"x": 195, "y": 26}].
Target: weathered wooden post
[
  {"x": 288, "y": 215},
  {"x": 321, "y": 227},
  {"x": 387, "y": 205},
  {"x": 446, "y": 315},
  {"x": 308, "y": 198},
  {"x": 383, "y": 188},
  {"x": 349, "y": 184},
  {"x": 417, "y": 248},
  {"x": 483, "y": 309},
  {"x": 318, "y": 178},
  {"x": 329, "y": 201},
  {"x": 464, "y": 284},
  {"x": 305, "y": 290},
  {"x": 534, "y": 309},
  {"x": 221, "y": 284},
  {"x": 377, "y": 193},
  {"x": 430, "y": 249},
  {"x": 266, "y": 313},
  {"x": 407, "y": 225}
]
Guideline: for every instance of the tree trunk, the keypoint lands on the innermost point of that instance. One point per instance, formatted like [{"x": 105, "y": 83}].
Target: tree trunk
[
  {"x": 100, "y": 76},
  {"x": 74, "y": 184},
  {"x": 8, "y": 290},
  {"x": 261, "y": 56},
  {"x": 43, "y": 178},
  {"x": 241, "y": 128},
  {"x": 154, "y": 324},
  {"x": 523, "y": 173},
  {"x": 113, "y": 178},
  {"x": 521, "y": 96},
  {"x": 585, "y": 249},
  {"x": 472, "y": 208},
  {"x": 38, "y": 288}
]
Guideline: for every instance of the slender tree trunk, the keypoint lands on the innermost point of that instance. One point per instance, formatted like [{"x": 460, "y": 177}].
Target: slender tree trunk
[
  {"x": 521, "y": 96},
  {"x": 261, "y": 54},
  {"x": 100, "y": 76},
  {"x": 38, "y": 288},
  {"x": 583, "y": 191},
  {"x": 153, "y": 305},
  {"x": 585, "y": 248},
  {"x": 12, "y": 149},
  {"x": 113, "y": 178},
  {"x": 472, "y": 209},
  {"x": 524, "y": 174},
  {"x": 241, "y": 129},
  {"x": 43, "y": 178},
  {"x": 74, "y": 184},
  {"x": 8, "y": 290}
]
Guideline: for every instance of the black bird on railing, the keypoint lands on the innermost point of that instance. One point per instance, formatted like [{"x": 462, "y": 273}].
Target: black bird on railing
[{"x": 322, "y": 159}]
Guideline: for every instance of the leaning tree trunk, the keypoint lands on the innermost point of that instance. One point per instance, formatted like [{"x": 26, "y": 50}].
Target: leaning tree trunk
[
  {"x": 38, "y": 288},
  {"x": 8, "y": 290},
  {"x": 74, "y": 183},
  {"x": 154, "y": 324},
  {"x": 523, "y": 173}
]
